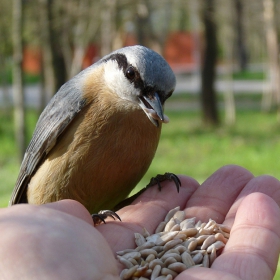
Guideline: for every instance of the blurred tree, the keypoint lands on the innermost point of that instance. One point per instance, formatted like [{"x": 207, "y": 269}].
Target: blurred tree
[
  {"x": 54, "y": 69},
  {"x": 241, "y": 51},
  {"x": 19, "y": 111},
  {"x": 226, "y": 39},
  {"x": 5, "y": 50},
  {"x": 144, "y": 29},
  {"x": 108, "y": 28},
  {"x": 49, "y": 84},
  {"x": 272, "y": 96},
  {"x": 208, "y": 71},
  {"x": 85, "y": 29}
]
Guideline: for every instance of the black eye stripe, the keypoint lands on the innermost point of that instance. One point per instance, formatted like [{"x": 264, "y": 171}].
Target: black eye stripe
[
  {"x": 121, "y": 60},
  {"x": 135, "y": 79}
]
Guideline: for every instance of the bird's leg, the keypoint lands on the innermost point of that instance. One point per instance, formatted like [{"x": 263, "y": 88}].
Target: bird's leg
[
  {"x": 155, "y": 180},
  {"x": 102, "y": 215},
  {"x": 162, "y": 177}
]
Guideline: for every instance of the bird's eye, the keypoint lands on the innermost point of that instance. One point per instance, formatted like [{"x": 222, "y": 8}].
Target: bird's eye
[{"x": 130, "y": 73}]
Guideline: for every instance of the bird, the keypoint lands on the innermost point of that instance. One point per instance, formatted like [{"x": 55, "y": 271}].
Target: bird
[{"x": 98, "y": 135}]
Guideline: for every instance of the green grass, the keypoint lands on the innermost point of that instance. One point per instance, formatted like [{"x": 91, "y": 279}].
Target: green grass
[
  {"x": 247, "y": 75},
  {"x": 9, "y": 163},
  {"x": 28, "y": 78},
  {"x": 186, "y": 147}
]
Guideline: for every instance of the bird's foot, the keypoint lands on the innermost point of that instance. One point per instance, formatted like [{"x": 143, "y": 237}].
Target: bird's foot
[
  {"x": 102, "y": 215},
  {"x": 162, "y": 177}
]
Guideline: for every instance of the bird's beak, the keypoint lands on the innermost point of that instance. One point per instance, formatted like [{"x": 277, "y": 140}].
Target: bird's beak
[{"x": 152, "y": 106}]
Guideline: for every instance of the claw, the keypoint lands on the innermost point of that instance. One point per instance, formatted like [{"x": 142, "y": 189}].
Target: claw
[
  {"x": 176, "y": 180},
  {"x": 167, "y": 176},
  {"x": 102, "y": 215}
]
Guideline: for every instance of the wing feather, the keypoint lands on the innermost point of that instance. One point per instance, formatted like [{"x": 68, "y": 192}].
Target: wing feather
[{"x": 55, "y": 118}]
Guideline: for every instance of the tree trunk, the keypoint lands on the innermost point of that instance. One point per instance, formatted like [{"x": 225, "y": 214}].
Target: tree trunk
[
  {"x": 85, "y": 29},
  {"x": 241, "y": 51},
  {"x": 144, "y": 28},
  {"x": 47, "y": 59},
  {"x": 273, "y": 93},
  {"x": 208, "y": 75},
  {"x": 108, "y": 26},
  {"x": 53, "y": 63},
  {"x": 228, "y": 39},
  {"x": 230, "y": 115},
  {"x": 19, "y": 112}
]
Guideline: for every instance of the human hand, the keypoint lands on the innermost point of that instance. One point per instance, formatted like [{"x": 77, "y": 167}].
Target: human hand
[
  {"x": 231, "y": 196},
  {"x": 45, "y": 242}
]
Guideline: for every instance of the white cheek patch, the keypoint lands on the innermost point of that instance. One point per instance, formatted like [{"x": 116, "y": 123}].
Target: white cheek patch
[{"x": 118, "y": 83}]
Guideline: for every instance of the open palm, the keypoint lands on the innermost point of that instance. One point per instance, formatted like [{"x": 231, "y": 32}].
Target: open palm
[{"x": 57, "y": 241}]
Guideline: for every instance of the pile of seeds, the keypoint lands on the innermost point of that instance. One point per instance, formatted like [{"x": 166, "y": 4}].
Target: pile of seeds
[{"x": 177, "y": 244}]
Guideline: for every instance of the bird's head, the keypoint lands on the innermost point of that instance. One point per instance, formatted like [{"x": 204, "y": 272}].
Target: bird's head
[{"x": 141, "y": 76}]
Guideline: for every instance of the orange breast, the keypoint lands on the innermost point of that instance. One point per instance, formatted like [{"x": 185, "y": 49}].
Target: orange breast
[{"x": 100, "y": 157}]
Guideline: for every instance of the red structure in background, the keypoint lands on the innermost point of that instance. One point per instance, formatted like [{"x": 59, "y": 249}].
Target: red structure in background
[
  {"x": 178, "y": 51},
  {"x": 90, "y": 56},
  {"x": 31, "y": 60}
]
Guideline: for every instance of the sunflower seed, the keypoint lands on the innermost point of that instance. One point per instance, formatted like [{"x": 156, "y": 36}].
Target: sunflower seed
[
  {"x": 213, "y": 255},
  {"x": 133, "y": 255},
  {"x": 150, "y": 258},
  {"x": 146, "y": 245},
  {"x": 220, "y": 237},
  {"x": 170, "y": 224},
  {"x": 176, "y": 256},
  {"x": 169, "y": 261},
  {"x": 178, "y": 244},
  {"x": 192, "y": 245},
  {"x": 218, "y": 245},
  {"x": 188, "y": 223},
  {"x": 224, "y": 228},
  {"x": 177, "y": 267},
  {"x": 187, "y": 260},
  {"x": 197, "y": 258},
  {"x": 127, "y": 273},
  {"x": 170, "y": 244},
  {"x": 208, "y": 241},
  {"x": 160, "y": 227},
  {"x": 125, "y": 262},
  {"x": 166, "y": 271},
  {"x": 139, "y": 239},
  {"x": 180, "y": 216},
  {"x": 205, "y": 261},
  {"x": 171, "y": 213},
  {"x": 155, "y": 262},
  {"x": 146, "y": 252},
  {"x": 155, "y": 272}
]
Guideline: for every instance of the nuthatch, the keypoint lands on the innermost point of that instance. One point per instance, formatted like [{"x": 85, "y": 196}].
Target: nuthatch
[{"x": 98, "y": 135}]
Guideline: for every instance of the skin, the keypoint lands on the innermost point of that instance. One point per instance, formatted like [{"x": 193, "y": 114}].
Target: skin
[{"x": 35, "y": 239}]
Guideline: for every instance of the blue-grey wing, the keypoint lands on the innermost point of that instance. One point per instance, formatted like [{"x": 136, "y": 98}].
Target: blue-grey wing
[{"x": 55, "y": 118}]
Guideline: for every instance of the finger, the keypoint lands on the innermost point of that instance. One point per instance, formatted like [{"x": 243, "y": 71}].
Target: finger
[
  {"x": 253, "y": 248},
  {"x": 202, "y": 273},
  {"x": 264, "y": 184},
  {"x": 148, "y": 210},
  {"x": 215, "y": 196},
  {"x": 71, "y": 207},
  {"x": 46, "y": 237}
]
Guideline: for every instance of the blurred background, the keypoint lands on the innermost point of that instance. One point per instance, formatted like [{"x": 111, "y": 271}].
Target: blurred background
[{"x": 225, "y": 54}]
